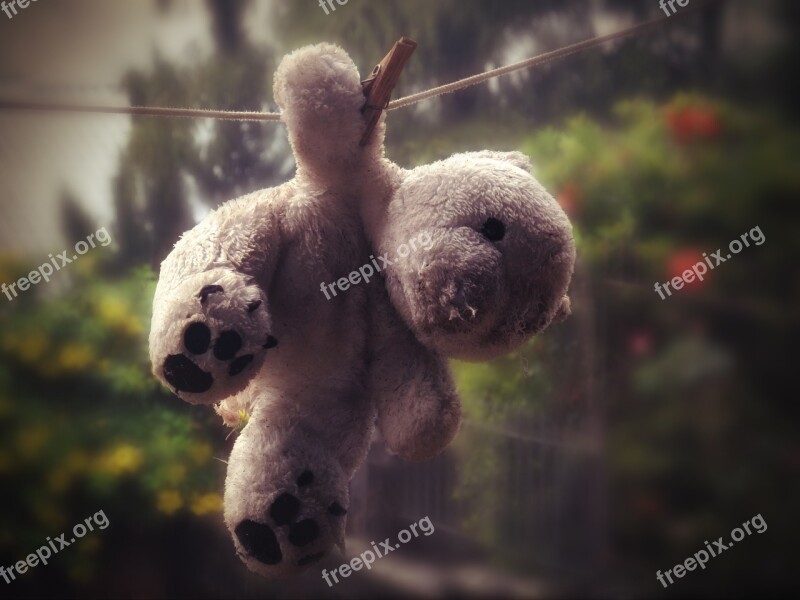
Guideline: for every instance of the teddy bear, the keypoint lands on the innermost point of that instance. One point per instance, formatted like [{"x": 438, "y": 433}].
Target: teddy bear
[{"x": 239, "y": 320}]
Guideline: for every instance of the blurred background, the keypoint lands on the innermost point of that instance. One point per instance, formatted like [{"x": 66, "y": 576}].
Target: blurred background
[{"x": 610, "y": 447}]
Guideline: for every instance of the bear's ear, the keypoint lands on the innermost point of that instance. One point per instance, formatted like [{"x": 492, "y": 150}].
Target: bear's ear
[{"x": 518, "y": 159}]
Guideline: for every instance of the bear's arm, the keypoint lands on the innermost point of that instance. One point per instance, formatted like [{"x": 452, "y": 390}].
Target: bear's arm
[
  {"x": 211, "y": 322},
  {"x": 418, "y": 409}
]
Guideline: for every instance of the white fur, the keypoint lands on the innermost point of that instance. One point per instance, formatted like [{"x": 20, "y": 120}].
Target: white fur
[
  {"x": 376, "y": 349},
  {"x": 464, "y": 295}
]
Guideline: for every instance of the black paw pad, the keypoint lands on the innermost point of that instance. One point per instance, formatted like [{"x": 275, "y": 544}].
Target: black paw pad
[
  {"x": 271, "y": 342},
  {"x": 228, "y": 344},
  {"x": 304, "y": 532},
  {"x": 337, "y": 510},
  {"x": 311, "y": 558},
  {"x": 306, "y": 477},
  {"x": 253, "y": 305},
  {"x": 239, "y": 364},
  {"x": 285, "y": 508},
  {"x": 197, "y": 338},
  {"x": 185, "y": 376},
  {"x": 207, "y": 291},
  {"x": 259, "y": 541}
]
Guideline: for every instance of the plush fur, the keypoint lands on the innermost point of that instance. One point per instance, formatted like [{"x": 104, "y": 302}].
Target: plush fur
[
  {"x": 500, "y": 261},
  {"x": 481, "y": 257}
]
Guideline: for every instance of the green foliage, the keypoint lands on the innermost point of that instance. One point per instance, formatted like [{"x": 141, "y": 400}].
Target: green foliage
[
  {"x": 687, "y": 383},
  {"x": 516, "y": 383},
  {"x": 691, "y": 163},
  {"x": 648, "y": 192},
  {"x": 85, "y": 422}
]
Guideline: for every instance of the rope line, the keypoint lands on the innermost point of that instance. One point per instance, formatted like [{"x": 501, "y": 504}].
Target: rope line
[
  {"x": 154, "y": 111},
  {"x": 146, "y": 111},
  {"x": 526, "y": 63}
]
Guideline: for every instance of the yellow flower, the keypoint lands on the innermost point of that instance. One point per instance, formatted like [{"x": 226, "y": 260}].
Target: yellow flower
[
  {"x": 75, "y": 357},
  {"x": 32, "y": 347},
  {"x": 169, "y": 501},
  {"x": 200, "y": 452},
  {"x": 115, "y": 314},
  {"x": 30, "y": 441},
  {"x": 122, "y": 459},
  {"x": 211, "y": 502},
  {"x": 175, "y": 474}
]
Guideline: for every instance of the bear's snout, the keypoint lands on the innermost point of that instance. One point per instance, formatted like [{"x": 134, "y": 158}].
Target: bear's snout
[{"x": 453, "y": 301}]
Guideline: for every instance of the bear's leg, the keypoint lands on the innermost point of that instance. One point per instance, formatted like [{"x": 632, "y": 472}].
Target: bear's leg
[
  {"x": 418, "y": 409},
  {"x": 286, "y": 492}
]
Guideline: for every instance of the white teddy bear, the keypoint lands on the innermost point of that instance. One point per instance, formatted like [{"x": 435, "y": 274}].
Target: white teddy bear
[{"x": 239, "y": 318}]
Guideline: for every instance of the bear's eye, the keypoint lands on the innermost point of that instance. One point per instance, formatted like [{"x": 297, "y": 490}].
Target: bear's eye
[{"x": 493, "y": 230}]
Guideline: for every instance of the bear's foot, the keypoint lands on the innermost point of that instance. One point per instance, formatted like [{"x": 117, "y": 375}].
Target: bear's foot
[
  {"x": 218, "y": 338},
  {"x": 293, "y": 531},
  {"x": 285, "y": 501}
]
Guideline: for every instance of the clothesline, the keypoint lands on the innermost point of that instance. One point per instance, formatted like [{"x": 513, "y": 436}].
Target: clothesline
[{"x": 155, "y": 111}]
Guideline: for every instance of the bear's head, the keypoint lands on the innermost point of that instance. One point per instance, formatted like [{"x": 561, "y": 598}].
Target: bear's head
[{"x": 498, "y": 262}]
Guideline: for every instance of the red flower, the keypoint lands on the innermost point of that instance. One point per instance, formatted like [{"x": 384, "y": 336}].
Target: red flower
[
  {"x": 640, "y": 343},
  {"x": 681, "y": 261},
  {"x": 692, "y": 123},
  {"x": 570, "y": 199}
]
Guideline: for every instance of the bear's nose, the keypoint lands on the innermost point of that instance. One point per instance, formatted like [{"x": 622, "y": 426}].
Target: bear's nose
[{"x": 259, "y": 541}]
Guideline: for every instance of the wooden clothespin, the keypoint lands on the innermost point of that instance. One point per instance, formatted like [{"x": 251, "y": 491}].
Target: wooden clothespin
[{"x": 379, "y": 85}]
